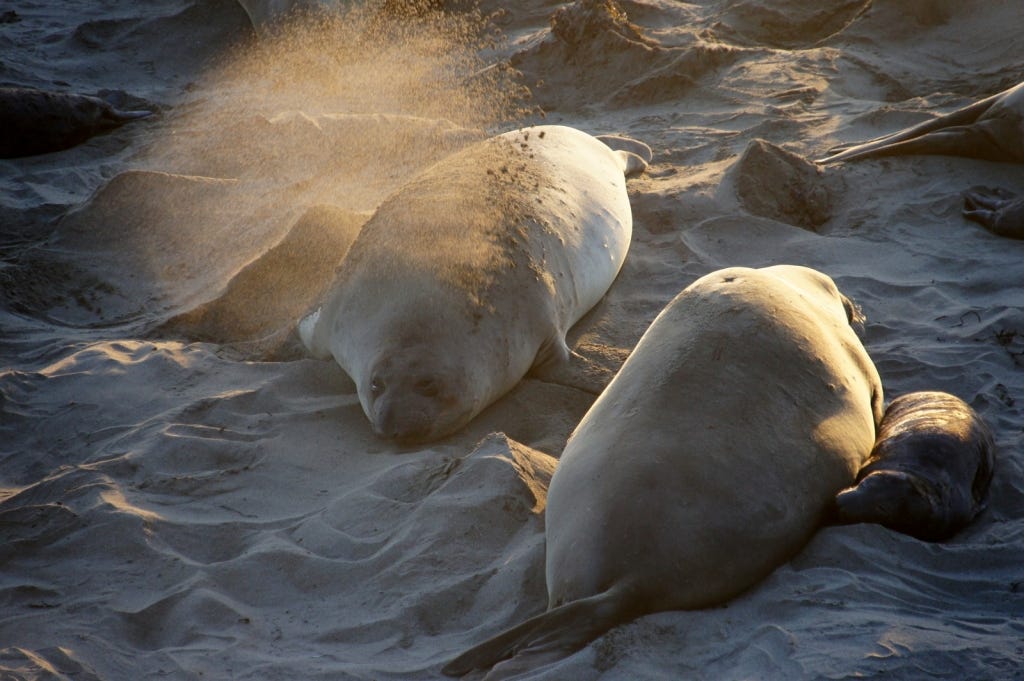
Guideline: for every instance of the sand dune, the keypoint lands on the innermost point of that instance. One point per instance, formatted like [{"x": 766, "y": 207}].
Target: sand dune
[{"x": 174, "y": 505}]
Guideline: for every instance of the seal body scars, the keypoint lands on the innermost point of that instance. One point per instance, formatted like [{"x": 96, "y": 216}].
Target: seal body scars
[
  {"x": 472, "y": 273},
  {"x": 709, "y": 460},
  {"x": 38, "y": 122},
  {"x": 991, "y": 129},
  {"x": 929, "y": 471}
]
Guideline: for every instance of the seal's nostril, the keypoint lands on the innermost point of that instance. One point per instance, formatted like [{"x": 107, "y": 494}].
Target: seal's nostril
[{"x": 427, "y": 387}]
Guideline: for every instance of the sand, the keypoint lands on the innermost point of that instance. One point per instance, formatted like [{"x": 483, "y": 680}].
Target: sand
[{"x": 184, "y": 495}]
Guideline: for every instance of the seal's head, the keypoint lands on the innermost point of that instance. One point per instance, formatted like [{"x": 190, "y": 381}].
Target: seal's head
[
  {"x": 897, "y": 499},
  {"x": 424, "y": 365},
  {"x": 411, "y": 396}
]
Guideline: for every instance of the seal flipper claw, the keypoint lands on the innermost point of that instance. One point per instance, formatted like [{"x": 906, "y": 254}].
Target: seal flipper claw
[{"x": 997, "y": 210}]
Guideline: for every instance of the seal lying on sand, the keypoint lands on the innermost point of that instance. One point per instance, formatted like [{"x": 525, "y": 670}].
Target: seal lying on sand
[
  {"x": 709, "y": 460},
  {"x": 37, "y": 121},
  {"x": 992, "y": 129},
  {"x": 929, "y": 472},
  {"x": 999, "y": 211},
  {"x": 472, "y": 273}
]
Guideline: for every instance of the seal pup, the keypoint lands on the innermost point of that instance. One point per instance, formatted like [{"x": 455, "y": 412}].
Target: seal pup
[
  {"x": 472, "y": 273},
  {"x": 991, "y": 129},
  {"x": 929, "y": 472},
  {"x": 36, "y": 121},
  {"x": 997, "y": 210},
  {"x": 710, "y": 459}
]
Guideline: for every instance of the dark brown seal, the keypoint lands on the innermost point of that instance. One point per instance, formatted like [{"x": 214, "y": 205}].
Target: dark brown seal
[
  {"x": 39, "y": 121},
  {"x": 989, "y": 129},
  {"x": 929, "y": 472}
]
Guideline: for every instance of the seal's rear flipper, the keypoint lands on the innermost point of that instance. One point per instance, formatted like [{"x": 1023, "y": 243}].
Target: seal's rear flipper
[
  {"x": 635, "y": 155},
  {"x": 892, "y": 143},
  {"x": 545, "y": 638}
]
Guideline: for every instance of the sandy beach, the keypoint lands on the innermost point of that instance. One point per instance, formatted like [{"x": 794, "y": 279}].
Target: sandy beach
[{"x": 184, "y": 494}]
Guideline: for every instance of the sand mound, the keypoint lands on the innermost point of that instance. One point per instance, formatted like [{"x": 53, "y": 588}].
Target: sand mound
[
  {"x": 129, "y": 251},
  {"x": 776, "y": 184},
  {"x": 791, "y": 24},
  {"x": 593, "y": 54},
  {"x": 263, "y": 302}
]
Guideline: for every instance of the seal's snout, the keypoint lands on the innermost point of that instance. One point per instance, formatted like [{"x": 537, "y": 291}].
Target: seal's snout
[
  {"x": 427, "y": 386},
  {"x": 403, "y": 433},
  {"x": 901, "y": 501},
  {"x": 859, "y": 504},
  {"x": 399, "y": 423}
]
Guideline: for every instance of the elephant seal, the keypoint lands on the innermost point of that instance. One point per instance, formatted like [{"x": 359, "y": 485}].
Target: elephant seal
[
  {"x": 991, "y": 129},
  {"x": 710, "y": 459},
  {"x": 929, "y": 472},
  {"x": 38, "y": 121},
  {"x": 471, "y": 274},
  {"x": 997, "y": 210}
]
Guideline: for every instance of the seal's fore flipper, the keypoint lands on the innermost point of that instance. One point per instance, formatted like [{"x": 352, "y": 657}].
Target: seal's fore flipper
[
  {"x": 635, "y": 155},
  {"x": 998, "y": 210}
]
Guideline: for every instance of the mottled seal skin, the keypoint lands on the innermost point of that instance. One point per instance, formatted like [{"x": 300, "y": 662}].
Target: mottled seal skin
[
  {"x": 929, "y": 472},
  {"x": 998, "y": 210},
  {"x": 39, "y": 122},
  {"x": 711, "y": 458},
  {"x": 991, "y": 129},
  {"x": 471, "y": 274}
]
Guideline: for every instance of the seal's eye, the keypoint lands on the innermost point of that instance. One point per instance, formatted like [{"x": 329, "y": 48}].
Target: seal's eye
[
  {"x": 427, "y": 387},
  {"x": 376, "y": 387}
]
